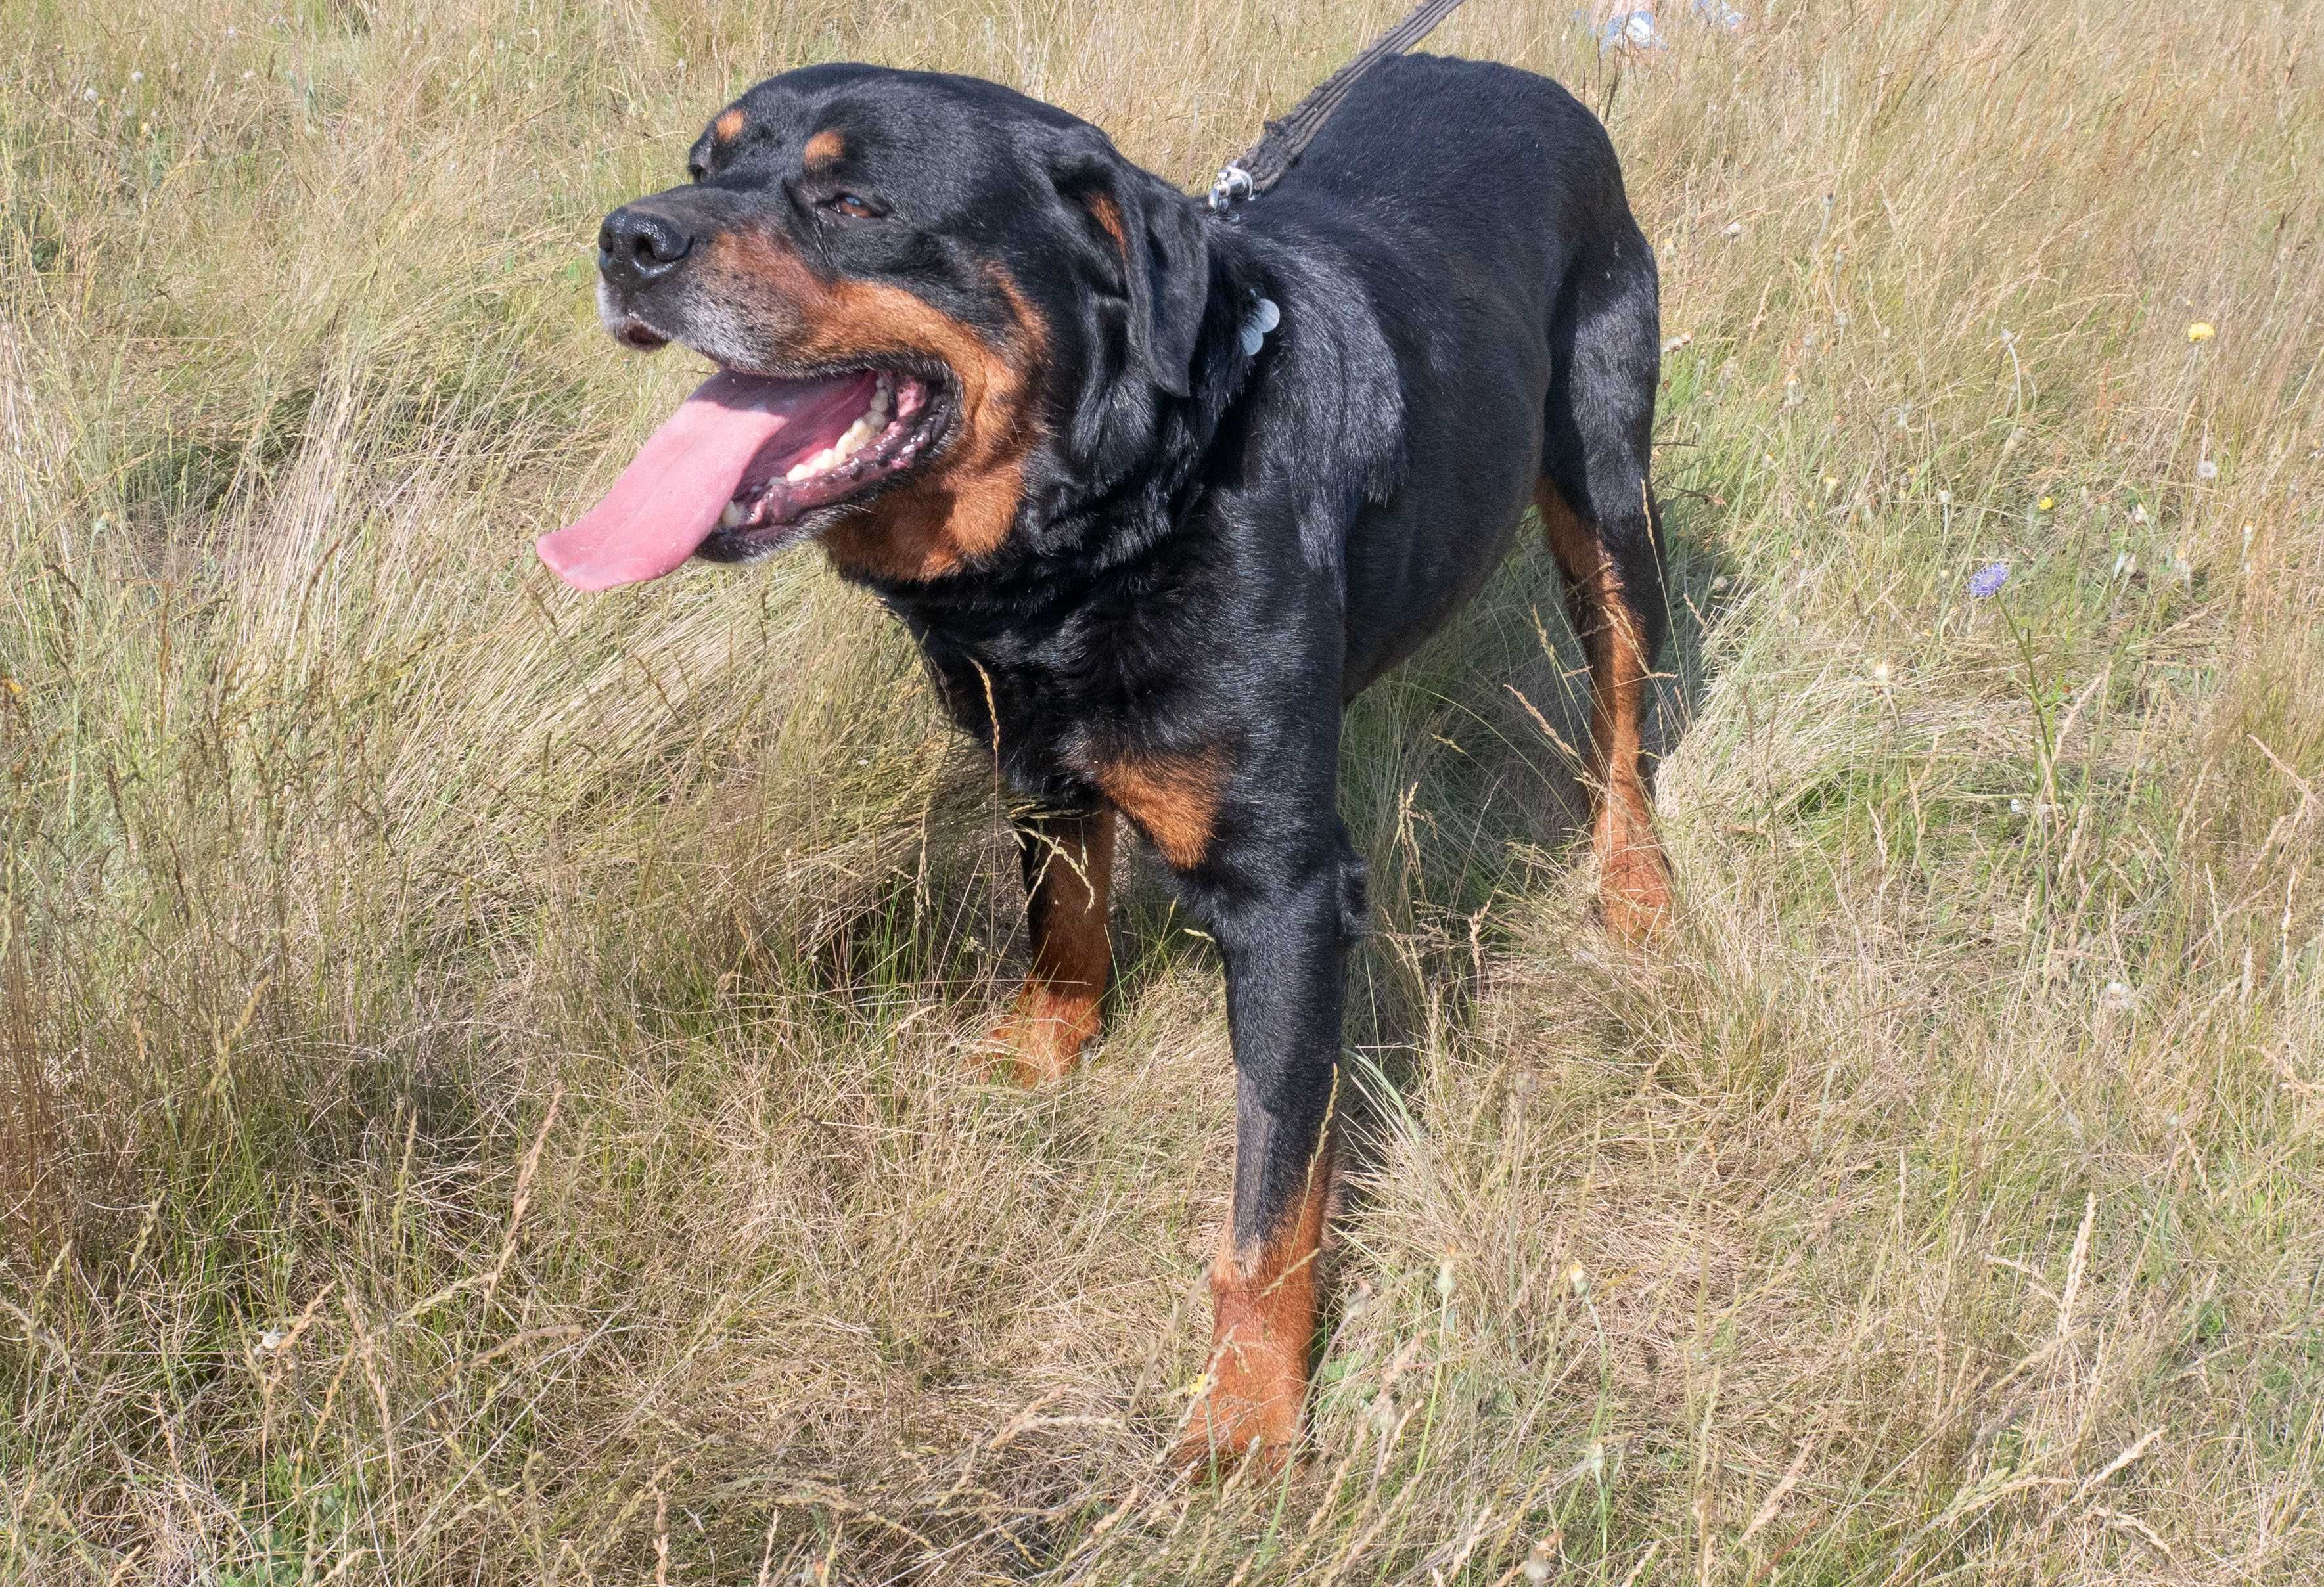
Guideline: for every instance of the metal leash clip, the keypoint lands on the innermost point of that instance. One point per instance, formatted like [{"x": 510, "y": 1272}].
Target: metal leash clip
[
  {"x": 1233, "y": 183},
  {"x": 1264, "y": 164}
]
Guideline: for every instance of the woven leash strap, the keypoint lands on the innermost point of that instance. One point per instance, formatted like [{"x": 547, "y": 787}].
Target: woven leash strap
[{"x": 1284, "y": 141}]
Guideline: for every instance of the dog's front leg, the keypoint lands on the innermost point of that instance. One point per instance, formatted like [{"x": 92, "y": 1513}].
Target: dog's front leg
[
  {"x": 1284, "y": 942},
  {"x": 1067, "y": 859}
]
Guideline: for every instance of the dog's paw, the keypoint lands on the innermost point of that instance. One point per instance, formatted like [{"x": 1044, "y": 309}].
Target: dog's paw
[
  {"x": 1243, "y": 1417},
  {"x": 1633, "y": 888},
  {"x": 1042, "y": 1040}
]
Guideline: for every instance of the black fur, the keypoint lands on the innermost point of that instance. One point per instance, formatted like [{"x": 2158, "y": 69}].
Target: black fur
[{"x": 1214, "y": 551}]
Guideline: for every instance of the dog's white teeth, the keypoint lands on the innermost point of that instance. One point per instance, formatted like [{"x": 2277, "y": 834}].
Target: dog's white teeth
[
  {"x": 851, "y": 439},
  {"x": 733, "y": 515}
]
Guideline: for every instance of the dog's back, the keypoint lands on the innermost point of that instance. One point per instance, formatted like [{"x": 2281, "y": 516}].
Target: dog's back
[{"x": 1482, "y": 209}]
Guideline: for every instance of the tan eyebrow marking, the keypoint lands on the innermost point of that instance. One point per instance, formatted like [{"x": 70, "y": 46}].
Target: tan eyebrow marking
[
  {"x": 1108, "y": 216},
  {"x": 730, "y": 125},
  {"x": 825, "y": 147}
]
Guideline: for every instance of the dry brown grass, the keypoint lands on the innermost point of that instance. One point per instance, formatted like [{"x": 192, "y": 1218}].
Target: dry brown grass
[{"x": 480, "y": 1093}]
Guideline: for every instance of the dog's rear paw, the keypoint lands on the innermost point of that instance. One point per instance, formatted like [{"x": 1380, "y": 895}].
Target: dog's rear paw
[{"x": 1634, "y": 890}]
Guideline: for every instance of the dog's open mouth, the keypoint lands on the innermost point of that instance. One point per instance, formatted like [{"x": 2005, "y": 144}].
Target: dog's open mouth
[{"x": 742, "y": 467}]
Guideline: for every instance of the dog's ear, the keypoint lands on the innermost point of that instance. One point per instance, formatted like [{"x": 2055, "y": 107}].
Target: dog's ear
[{"x": 1152, "y": 258}]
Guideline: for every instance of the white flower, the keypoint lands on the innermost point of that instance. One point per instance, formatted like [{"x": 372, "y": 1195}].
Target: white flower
[
  {"x": 1735, "y": 228},
  {"x": 136, "y": 76},
  {"x": 2118, "y": 997}
]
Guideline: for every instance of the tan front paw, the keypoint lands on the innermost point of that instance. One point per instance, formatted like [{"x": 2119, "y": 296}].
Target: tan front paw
[
  {"x": 1043, "y": 1039},
  {"x": 1249, "y": 1412},
  {"x": 1263, "y": 1321}
]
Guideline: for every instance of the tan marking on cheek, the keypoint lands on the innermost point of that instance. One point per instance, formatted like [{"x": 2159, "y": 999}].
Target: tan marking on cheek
[
  {"x": 1173, "y": 798},
  {"x": 729, "y": 126},
  {"x": 824, "y": 147},
  {"x": 964, "y": 507},
  {"x": 1262, "y": 1327},
  {"x": 943, "y": 513}
]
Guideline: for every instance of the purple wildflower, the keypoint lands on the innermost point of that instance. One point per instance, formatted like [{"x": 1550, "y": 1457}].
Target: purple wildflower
[{"x": 1986, "y": 581}]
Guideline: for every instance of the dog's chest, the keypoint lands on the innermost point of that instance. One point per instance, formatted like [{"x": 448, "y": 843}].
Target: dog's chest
[{"x": 1051, "y": 717}]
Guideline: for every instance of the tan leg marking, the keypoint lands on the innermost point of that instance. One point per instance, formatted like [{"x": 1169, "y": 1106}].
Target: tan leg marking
[
  {"x": 1633, "y": 876},
  {"x": 1262, "y": 1327},
  {"x": 1173, "y": 798},
  {"x": 1056, "y": 1011}
]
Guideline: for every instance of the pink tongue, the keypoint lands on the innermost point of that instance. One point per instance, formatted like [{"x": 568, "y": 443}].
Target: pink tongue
[{"x": 670, "y": 499}]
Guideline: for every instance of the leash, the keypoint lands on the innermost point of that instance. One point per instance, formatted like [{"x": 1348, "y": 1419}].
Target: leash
[{"x": 1284, "y": 141}]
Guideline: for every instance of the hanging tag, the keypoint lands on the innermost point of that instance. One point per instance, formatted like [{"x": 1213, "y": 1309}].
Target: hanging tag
[{"x": 1264, "y": 318}]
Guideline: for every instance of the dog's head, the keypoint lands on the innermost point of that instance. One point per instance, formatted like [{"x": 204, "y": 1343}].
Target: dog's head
[{"x": 927, "y": 295}]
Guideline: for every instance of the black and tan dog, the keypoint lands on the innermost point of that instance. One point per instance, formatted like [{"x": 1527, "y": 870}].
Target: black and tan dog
[{"x": 1157, "y": 491}]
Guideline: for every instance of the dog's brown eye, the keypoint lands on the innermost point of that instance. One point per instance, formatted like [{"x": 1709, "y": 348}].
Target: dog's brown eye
[{"x": 849, "y": 203}]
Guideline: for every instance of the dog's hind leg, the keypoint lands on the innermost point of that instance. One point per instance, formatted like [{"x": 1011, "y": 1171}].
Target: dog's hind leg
[
  {"x": 1598, "y": 511},
  {"x": 1068, "y": 865}
]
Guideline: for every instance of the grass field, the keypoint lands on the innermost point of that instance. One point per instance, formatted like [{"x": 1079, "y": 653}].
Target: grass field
[{"x": 480, "y": 1089}]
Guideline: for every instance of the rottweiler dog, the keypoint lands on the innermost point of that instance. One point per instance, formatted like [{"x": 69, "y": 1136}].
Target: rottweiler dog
[{"x": 1157, "y": 490}]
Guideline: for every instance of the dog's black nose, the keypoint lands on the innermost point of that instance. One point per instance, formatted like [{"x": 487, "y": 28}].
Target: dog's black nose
[{"x": 636, "y": 248}]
